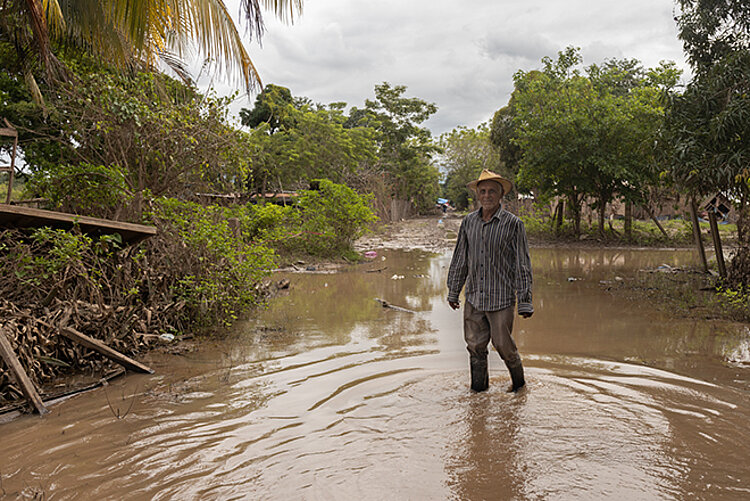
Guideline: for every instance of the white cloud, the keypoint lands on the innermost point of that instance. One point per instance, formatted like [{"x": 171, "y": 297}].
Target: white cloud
[{"x": 461, "y": 56}]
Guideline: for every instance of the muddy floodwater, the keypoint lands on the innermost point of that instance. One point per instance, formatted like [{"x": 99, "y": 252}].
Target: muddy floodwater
[{"x": 328, "y": 395}]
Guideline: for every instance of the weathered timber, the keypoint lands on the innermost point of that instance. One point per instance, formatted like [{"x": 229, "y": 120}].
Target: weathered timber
[
  {"x": 12, "y": 216},
  {"x": 55, "y": 398},
  {"x": 105, "y": 350},
  {"x": 27, "y": 387}
]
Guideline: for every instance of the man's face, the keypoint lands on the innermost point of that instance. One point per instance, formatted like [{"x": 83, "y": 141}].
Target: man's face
[{"x": 489, "y": 194}]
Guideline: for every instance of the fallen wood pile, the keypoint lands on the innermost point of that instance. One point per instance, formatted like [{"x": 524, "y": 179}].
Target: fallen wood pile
[
  {"x": 198, "y": 273},
  {"x": 115, "y": 300}
]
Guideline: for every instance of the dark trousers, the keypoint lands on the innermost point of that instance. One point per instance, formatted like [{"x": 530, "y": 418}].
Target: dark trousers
[{"x": 482, "y": 326}]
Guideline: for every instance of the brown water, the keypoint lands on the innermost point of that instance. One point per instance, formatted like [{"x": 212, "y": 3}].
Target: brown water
[{"x": 327, "y": 395}]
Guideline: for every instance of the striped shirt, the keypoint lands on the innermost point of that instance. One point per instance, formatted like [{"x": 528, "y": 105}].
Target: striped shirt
[{"x": 492, "y": 259}]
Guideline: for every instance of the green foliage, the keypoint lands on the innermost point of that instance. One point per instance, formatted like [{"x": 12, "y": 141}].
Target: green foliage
[
  {"x": 537, "y": 225},
  {"x": 712, "y": 29},
  {"x": 307, "y": 143},
  {"x": 270, "y": 222},
  {"x": 739, "y": 297},
  {"x": 219, "y": 270},
  {"x": 405, "y": 148},
  {"x": 332, "y": 218},
  {"x": 589, "y": 135},
  {"x": 161, "y": 134},
  {"x": 465, "y": 153},
  {"x": 709, "y": 126},
  {"x": 503, "y": 136},
  {"x": 82, "y": 188},
  {"x": 271, "y": 107},
  {"x": 64, "y": 249}
]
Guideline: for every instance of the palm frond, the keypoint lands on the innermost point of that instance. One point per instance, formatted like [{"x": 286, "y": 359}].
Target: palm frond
[
  {"x": 177, "y": 65},
  {"x": 38, "y": 24},
  {"x": 55, "y": 19},
  {"x": 284, "y": 9},
  {"x": 217, "y": 37}
]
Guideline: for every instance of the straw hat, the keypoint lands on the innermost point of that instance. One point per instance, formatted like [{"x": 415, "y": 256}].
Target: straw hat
[{"x": 487, "y": 175}]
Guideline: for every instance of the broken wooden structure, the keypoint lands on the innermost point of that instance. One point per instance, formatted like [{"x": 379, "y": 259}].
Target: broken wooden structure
[
  {"x": 8, "y": 355},
  {"x": 12, "y": 216},
  {"x": 16, "y": 369}
]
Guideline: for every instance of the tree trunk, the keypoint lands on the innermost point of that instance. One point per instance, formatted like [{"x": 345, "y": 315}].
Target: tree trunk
[
  {"x": 559, "y": 214},
  {"x": 697, "y": 234},
  {"x": 628, "y": 220},
  {"x": 717, "y": 243},
  {"x": 656, "y": 221},
  {"x": 742, "y": 221},
  {"x": 602, "y": 209},
  {"x": 575, "y": 208}
]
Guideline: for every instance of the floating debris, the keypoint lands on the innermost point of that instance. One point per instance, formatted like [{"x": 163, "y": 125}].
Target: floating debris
[{"x": 386, "y": 304}]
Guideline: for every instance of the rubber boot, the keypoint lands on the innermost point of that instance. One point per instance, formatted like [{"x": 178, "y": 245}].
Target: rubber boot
[
  {"x": 480, "y": 377},
  {"x": 516, "y": 376}
]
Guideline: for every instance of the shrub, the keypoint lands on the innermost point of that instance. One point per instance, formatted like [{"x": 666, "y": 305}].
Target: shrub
[
  {"x": 82, "y": 189},
  {"x": 332, "y": 218},
  {"x": 216, "y": 271}
]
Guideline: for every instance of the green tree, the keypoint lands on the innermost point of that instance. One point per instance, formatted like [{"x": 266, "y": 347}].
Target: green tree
[
  {"x": 503, "y": 136},
  {"x": 309, "y": 142},
  {"x": 589, "y": 135},
  {"x": 271, "y": 107},
  {"x": 708, "y": 124},
  {"x": 552, "y": 124},
  {"x": 465, "y": 152},
  {"x": 405, "y": 147},
  {"x": 157, "y": 132}
]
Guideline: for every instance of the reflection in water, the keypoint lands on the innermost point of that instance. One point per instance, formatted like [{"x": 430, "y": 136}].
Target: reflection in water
[
  {"x": 488, "y": 465},
  {"x": 327, "y": 395}
]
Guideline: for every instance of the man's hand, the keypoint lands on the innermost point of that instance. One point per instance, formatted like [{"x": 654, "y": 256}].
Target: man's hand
[
  {"x": 454, "y": 304},
  {"x": 526, "y": 314}
]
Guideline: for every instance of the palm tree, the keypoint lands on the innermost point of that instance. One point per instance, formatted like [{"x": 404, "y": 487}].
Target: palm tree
[{"x": 129, "y": 32}]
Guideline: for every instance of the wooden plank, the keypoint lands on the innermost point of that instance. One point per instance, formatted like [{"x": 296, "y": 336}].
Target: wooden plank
[
  {"x": 105, "y": 350},
  {"x": 27, "y": 387},
  {"x": 25, "y": 217},
  {"x": 8, "y": 132}
]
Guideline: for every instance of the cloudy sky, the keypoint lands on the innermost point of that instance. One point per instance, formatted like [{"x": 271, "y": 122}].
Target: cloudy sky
[{"x": 459, "y": 55}]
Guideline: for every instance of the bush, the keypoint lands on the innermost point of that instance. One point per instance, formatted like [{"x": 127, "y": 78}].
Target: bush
[
  {"x": 537, "y": 225},
  {"x": 332, "y": 218},
  {"x": 88, "y": 189},
  {"x": 268, "y": 223},
  {"x": 216, "y": 271}
]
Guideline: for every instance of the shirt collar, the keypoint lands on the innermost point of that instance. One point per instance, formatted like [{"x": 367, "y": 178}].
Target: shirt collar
[{"x": 496, "y": 215}]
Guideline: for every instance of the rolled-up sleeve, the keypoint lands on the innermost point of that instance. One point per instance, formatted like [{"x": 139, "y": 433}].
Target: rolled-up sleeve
[
  {"x": 523, "y": 271},
  {"x": 459, "y": 265}
]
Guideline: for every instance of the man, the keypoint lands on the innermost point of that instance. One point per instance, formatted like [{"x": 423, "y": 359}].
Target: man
[{"x": 492, "y": 259}]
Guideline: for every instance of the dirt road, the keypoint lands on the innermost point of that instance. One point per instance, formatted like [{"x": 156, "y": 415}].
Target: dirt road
[{"x": 431, "y": 233}]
